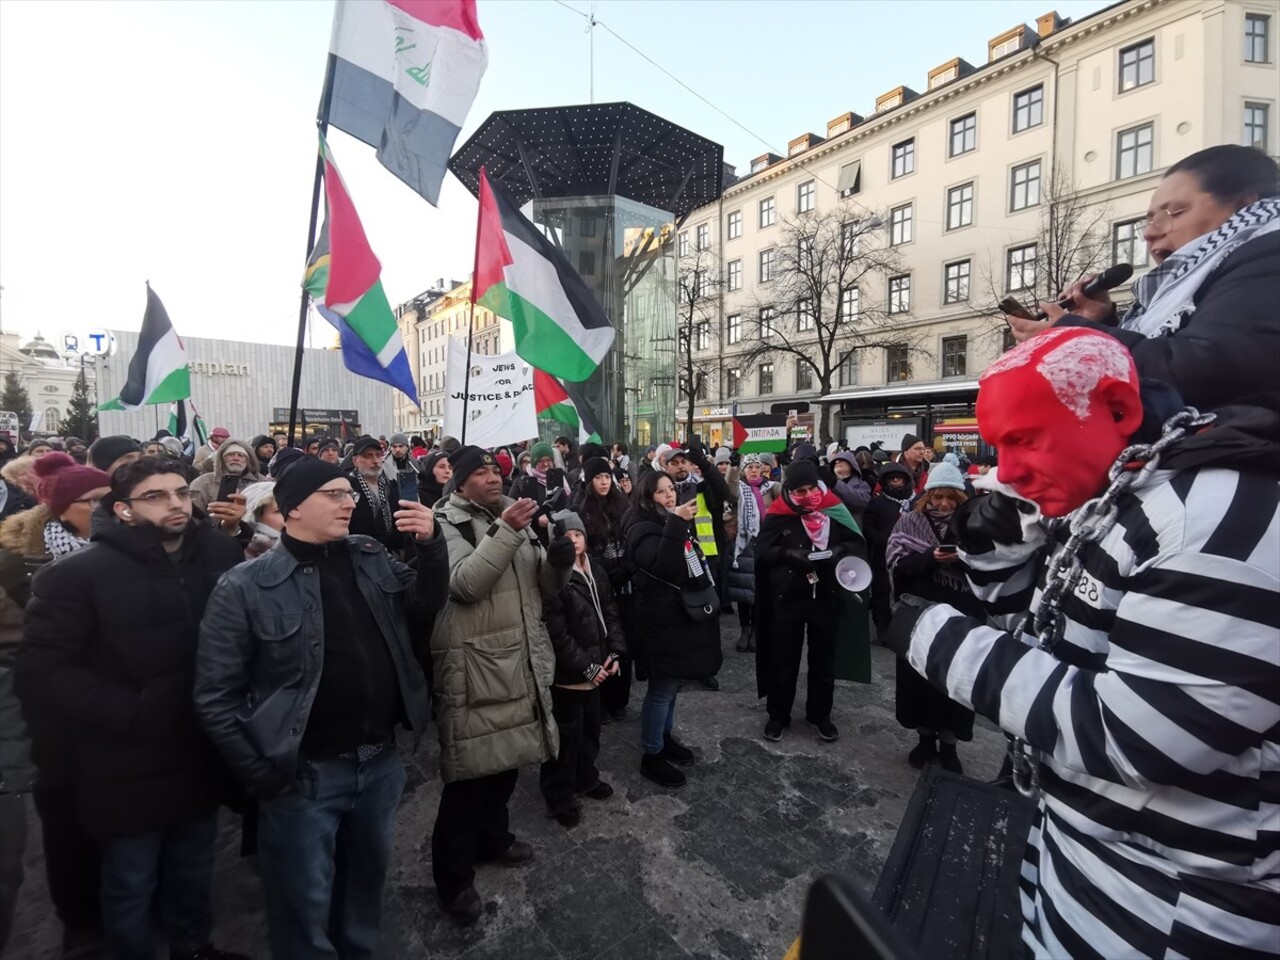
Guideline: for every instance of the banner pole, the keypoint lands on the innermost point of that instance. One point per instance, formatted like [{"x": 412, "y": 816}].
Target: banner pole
[{"x": 466, "y": 379}]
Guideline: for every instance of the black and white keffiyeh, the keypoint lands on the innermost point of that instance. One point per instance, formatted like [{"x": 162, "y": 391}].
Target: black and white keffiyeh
[
  {"x": 60, "y": 541},
  {"x": 1164, "y": 298},
  {"x": 382, "y": 501}
]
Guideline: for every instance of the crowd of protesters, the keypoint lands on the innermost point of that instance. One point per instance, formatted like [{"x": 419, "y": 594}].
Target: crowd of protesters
[{"x": 248, "y": 624}]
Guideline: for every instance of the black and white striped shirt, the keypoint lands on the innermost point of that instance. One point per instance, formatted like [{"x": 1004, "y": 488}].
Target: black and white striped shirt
[{"x": 1157, "y": 717}]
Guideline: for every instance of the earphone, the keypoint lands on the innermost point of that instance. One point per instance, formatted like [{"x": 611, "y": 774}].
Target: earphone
[{"x": 127, "y": 514}]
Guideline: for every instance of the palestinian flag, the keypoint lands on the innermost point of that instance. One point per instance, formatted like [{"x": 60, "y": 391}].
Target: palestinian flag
[
  {"x": 564, "y": 403},
  {"x": 559, "y": 325},
  {"x": 191, "y": 432},
  {"x": 158, "y": 371},
  {"x": 830, "y": 505},
  {"x": 760, "y": 433},
  {"x": 344, "y": 279}
]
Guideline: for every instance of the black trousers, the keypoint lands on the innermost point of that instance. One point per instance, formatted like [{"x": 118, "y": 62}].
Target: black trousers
[
  {"x": 72, "y": 860},
  {"x": 471, "y": 824},
  {"x": 791, "y": 620},
  {"x": 562, "y": 778},
  {"x": 615, "y": 693}
]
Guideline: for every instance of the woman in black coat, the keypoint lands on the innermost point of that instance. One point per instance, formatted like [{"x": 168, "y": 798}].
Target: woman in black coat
[{"x": 662, "y": 548}]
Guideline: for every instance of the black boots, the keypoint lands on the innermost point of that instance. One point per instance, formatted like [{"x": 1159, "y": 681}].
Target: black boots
[
  {"x": 747, "y": 640},
  {"x": 925, "y": 751}
]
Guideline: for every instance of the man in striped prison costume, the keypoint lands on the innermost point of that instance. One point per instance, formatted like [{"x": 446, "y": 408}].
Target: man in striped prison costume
[{"x": 1144, "y": 692}]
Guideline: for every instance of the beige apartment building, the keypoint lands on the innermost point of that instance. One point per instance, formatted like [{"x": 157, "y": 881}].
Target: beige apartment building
[{"x": 962, "y": 183}]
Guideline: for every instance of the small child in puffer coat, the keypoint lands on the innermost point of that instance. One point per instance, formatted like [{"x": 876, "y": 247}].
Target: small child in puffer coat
[{"x": 586, "y": 633}]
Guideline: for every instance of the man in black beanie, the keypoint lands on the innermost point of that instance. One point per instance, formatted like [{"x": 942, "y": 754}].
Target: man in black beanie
[
  {"x": 914, "y": 457},
  {"x": 109, "y": 454},
  {"x": 306, "y": 665}
]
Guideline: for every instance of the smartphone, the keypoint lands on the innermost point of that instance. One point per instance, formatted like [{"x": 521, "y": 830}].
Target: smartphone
[
  {"x": 948, "y": 548},
  {"x": 555, "y": 479},
  {"x": 1014, "y": 308},
  {"x": 227, "y": 486}
]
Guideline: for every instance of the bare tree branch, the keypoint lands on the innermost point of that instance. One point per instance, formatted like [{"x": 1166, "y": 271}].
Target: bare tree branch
[{"x": 698, "y": 285}]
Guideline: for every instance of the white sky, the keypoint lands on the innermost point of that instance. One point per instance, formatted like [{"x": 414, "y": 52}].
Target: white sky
[{"x": 175, "y": 141}]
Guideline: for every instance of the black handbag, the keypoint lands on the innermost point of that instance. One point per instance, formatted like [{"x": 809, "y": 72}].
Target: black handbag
[{"x": 700, "y": 603}]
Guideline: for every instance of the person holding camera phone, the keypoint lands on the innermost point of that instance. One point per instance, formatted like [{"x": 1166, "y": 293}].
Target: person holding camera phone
[
  {"x": 923, "y": 562},
  {"x": 586, "y": 633},
  {"x": 544, "y": 483}
]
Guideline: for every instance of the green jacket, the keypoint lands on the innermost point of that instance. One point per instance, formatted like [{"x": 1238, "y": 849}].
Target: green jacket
[{"x": 492, "y": 659}]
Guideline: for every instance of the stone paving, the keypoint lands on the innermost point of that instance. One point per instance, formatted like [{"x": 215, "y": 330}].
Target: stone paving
[{"x": 719, "y": 868}]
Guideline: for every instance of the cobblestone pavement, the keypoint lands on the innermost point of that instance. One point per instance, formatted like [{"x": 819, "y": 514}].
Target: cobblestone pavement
[{"x": 719, "y": 868}]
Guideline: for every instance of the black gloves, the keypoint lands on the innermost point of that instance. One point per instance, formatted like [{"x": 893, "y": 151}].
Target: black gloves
[
  {"x": 898, "y": 637},
  {"x": 695, "y": 449},
  {"x": 560, "y": 552},
  {"x": 799, "y": 558},
  {"x": 982, "y": 522}
]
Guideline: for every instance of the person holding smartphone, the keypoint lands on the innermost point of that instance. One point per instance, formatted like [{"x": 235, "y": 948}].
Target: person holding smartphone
[{"x": 923, "y": 562}]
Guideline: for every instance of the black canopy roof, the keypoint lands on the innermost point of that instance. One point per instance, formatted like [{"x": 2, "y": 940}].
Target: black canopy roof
[{"x": 592, "y": 150}]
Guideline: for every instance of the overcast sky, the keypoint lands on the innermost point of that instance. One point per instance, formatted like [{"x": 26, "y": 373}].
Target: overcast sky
[{"x": 174, "y": 141}]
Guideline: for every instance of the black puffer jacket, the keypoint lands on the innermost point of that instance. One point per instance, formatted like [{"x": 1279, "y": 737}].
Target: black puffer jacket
[
  {"x": 672, "y": 644},
  {"x": 110, "y": 647},
  {"x": 580, "y": 640}
]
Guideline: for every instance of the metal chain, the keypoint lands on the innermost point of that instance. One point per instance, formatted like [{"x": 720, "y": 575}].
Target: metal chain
[{"x": 1093, "y": 521}]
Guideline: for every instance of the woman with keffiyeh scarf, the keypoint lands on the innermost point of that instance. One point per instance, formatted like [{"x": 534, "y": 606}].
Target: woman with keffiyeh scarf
[
  {"x": 919, "y": 568},
  {"x": 797, "y": 593},
  {"x": 755, "y": 493}
]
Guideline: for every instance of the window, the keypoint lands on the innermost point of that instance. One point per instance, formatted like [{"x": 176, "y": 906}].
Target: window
[
  {"x": 899, "y": 364},
  {"x": 804, "y": 253},
  {"x": 735, "y": 274},
  {"x": 766, "y": 265},
  {"x": 586, "y": 262},
  {"x": 849, "y": 302},
  {"x": 768, "y": 212},
  {"x": 804, "y": 375},
  {"x": 953, "y": 356},
  {"x": 735, "y": 224},
  {"x": 900, "y": 293},
  {"x": 700, "y": 391},
  {"x": 1137, "y": 65},
  {"x": 1127, "y": 245},
  {"x": 1021, "y": 268},
  {"x": 1024, "y": 186},
  {"x": 1028, "y": 109},
  {"x": 849, "y": 235},
  {"x": 733, "y": 327},
  {"x": 805, "y": 320},
  {"x": 766, "y": 378},
  {"x": 1007, "y": 342},
  {"x": 900, "y": 225},
  {"x": 586, "y": 227},
  {"x": 703, "y": 236},
  {"x": 956, "y": 286},
  {"x": 960, "y": 206},
  {"x": 1255, "y": 125},
  {"x": 703, "y": 281},
  {"x": 701, "y": 335},
  {"x": 732, "y": 382},
  {"x": 938, "y": 79},
  {"x": 1134, "y": 152},
  {"x": 806, "y": 194},
  {"x": 964, "y": 134},
  {"x": 1011, "y": 45},
  {"x": 847, "y": 372},
  {"x": 1256, "y": 28},
  {"x": 850, "y": 181},
  {"x": 767, "y": 315},
  {"x": 904, "y": 158},
  {"x": 682, "y": 245}
]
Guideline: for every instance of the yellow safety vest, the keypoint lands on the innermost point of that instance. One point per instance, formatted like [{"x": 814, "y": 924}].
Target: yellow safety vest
[{"x": 706, "y": 529}]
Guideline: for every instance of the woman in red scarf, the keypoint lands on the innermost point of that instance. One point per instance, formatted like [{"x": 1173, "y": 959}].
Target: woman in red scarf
[{"x": 805, "y": 532}]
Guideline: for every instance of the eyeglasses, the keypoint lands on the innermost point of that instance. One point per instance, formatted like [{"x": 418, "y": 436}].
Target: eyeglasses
[
  {"x": 91, "y": 501},
  {"x": 337, "y": 496},
  {"x": 156, "y": 497},
  {"x": 1162, "y": 220}
]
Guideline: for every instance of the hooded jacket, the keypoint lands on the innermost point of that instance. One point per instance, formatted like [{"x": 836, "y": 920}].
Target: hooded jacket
[
  {"x": 254, "y": 444},
  {"x": 582, "y": 633},
  {"x": 22, "y": 552},
  {"x": 204, "y": 488}
]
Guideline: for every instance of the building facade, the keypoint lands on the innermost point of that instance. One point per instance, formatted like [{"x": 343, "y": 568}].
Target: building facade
[
  {"x": 245, "y": 387},
  {"x": 995, "y": 180},
  {"x": 48, "y": 375}
]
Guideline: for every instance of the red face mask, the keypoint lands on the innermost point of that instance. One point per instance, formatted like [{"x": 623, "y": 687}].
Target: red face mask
[
  {"x": 1059, "y": 412},
  {"x": 809, "y": 501}
]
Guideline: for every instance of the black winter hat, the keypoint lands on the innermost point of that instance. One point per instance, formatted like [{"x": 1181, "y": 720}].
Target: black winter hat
[
  {"x": 594, "y": 467},
  {"x": 107, "y": 450},
  {"x": 364, "y": 443},
  {"x": 800, "y": 473},
  {"x": 909, "y": 441},
  {"x": 304, "y": 477},
  {"x": 466, "y": 461}
]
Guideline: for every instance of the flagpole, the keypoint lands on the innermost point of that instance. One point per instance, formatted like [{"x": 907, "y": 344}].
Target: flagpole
[
  {"x": 322, "y": 123},
  {"x": 471, "y": 320}
]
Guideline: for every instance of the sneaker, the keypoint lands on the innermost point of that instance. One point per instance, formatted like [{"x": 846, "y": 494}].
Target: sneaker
[
  {"x": 673, "y": 751},
  {"x": 660, "y": 771},
  {"x": 465, "y": 908},
  {"x": 612, "y": 716},
  {"x": 773, "y": 729},
  {"x": 827, "y": 731},
  {"x": 601, "y": 791},
  {"x": 710, "y": 683},
  {"x": 926, "y": 751},
  {"x": 516, "y": 855},
  {"x": 948, "y": 759}
]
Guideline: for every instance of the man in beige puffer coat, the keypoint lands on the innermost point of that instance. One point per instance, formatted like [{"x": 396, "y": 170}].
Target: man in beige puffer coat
[{"x": 493, "y": 666}]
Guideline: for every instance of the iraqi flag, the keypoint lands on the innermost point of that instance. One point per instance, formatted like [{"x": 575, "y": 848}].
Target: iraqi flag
[
  {"x": 559, "y": 325},
  {"x": 404, "y": 75},
  {"x": 344, "y": 280},
  {"x": 760, "y": 433},
  {"x": 564, "y": 403},
  {"x": 158, "y": 371}
]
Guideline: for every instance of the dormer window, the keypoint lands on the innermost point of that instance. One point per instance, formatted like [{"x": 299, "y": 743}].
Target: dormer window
[{"x": 946, "y": 76}]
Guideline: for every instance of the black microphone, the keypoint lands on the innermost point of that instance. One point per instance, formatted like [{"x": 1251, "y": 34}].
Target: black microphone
[{"x": 1108, "y": 279}]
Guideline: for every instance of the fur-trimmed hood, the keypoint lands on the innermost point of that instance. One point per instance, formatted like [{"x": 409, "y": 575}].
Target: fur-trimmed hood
[{"x": 23, "y": 533}]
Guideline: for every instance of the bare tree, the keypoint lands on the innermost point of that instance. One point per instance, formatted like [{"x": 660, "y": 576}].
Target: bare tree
[
  {"x": 698, "y": 285},
  {"x": 819, "y": 306}
]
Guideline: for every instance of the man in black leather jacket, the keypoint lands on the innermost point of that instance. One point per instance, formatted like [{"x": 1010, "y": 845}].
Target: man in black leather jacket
[{"x": 305, "y": 666}]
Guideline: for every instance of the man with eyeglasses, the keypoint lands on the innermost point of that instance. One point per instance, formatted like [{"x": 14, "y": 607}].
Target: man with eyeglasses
[
  {"x": 377, "y": 497},
  {"x": 306, "y": 666},
  {"x": 110, "y": 650}
]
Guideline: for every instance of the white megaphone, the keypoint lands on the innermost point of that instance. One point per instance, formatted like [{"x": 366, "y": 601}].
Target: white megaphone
[{"x": 854, "y": 574}]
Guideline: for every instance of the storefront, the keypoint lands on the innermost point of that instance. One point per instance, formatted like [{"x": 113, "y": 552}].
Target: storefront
[
  {"x": 339, "y": 424},
  {"x": 941, "y": 414},
  {"x": 714, "y": 425}
]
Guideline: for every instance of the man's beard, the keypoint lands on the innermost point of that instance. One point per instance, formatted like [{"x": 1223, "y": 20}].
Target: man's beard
[
  {"x": 234, "y": 469},
  {"x": 371, "y": 475}
]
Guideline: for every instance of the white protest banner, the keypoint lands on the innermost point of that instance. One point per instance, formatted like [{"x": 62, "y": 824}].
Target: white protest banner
[{"x": 500, "y": 405}]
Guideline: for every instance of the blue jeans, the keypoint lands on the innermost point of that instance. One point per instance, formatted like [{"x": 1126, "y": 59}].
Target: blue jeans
[
  {"x": 657, "y": 712},
  {"x": 179, "y": 861},
  {"x": 325, "y": 845}
]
